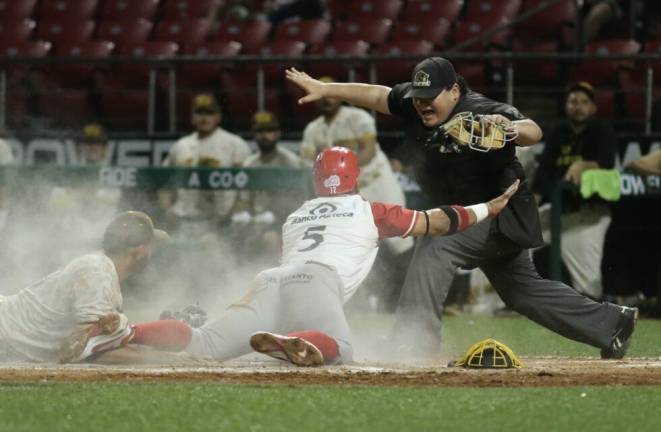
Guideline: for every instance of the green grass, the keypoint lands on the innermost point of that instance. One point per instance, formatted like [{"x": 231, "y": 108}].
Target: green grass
[
  {"x": 166, "y": 407},
  {"x": 522, "y": 335}
]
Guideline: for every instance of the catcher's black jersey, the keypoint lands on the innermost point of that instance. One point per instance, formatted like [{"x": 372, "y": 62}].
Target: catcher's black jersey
[{"x": 469, "y": 177}]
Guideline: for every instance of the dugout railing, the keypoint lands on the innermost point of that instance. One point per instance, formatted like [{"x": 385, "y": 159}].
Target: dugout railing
[{"x": 164, "y": 91}]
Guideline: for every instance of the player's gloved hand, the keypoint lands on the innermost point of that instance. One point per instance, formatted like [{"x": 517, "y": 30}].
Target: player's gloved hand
[
  {"x": 266, "y": 218},
  {"x": 241, "y": 218},
  {"x": 192, "y": 315}
]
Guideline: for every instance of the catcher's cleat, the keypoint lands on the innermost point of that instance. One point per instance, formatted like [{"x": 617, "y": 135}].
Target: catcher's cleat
[
  {"x": 293, "y": 349},
  {"x": 623, "y": 332}
]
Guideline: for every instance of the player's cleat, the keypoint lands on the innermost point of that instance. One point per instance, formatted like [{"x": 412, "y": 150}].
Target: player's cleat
[
  {"x": 292, "y": 349},
  {"x": 623, "y": 332}
]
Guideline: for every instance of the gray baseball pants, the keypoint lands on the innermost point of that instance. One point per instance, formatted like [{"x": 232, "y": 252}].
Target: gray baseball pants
[
  {"x": 281, "y": 300},
  {"x": 510, "y": 270}
]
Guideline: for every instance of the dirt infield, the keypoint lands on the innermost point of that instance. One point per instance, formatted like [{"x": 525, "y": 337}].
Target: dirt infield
[{"x": 536, "y": 372}]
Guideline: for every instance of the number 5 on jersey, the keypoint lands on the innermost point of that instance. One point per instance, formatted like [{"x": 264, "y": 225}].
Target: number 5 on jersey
[{"x": 312, "y": 234}]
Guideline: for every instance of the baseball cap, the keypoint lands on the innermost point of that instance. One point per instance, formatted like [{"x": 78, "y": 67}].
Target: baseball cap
[
  {"x": 582, "y": 86},
  {"x": 93, "y": 133},
  {"x": 265, "y": 121},
  {"x": 430, "y": 77},
  {"x": 131, "y": 229},
  {"x": 205, "y": 103}
]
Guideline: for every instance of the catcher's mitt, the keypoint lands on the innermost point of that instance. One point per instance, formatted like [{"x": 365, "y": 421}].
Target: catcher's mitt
[
  {"x": 474, "y": 131},
  {"x": 192, "y": 315},
  {"x": 489, "y": 354}
]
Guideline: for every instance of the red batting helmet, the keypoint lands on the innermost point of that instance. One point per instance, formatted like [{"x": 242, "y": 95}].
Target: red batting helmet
[{"x": 336, "y": 172}]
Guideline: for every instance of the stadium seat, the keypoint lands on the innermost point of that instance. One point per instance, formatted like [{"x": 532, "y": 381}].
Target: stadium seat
[
  {"x": 605, "y": 101},
  {"x": 250, "y": 34},
  {"x": 124, "y": 31},
  {"x": 471, "y": 28},
  {"x": 129, "y": 9},
  {"x": 62, "y": 30},
  {"x": 274, "y": 71},
  {"x": 203, "y": 75},
  {"x": 375, "y": 31},
  {"x": 448, "y": 9},
  {"x": 18, "y": 76},
  {"x": 534, "y": 70},
  {"x": 16, "y": 30},
  {"x": 187, "y": 9},
  {"x": 17, "y": 9},
  {"x": 311, "y": 32},
  {"x": 124, "y": 91},
  {"x": 337, "y": 9},
  {"x": 240, "y": 94},
  {"x": 337, "y": 70},
  {"x": 183, "y": 32},
  {"x": 389, "y": 9},
  {"x": 499, "y": 8},
  {"x": 434, "y": 30},
  {"x": 75, "y": 74},
  {"x": 654, "y": 47},
  {"x": 70, "y": 10},
  {"x": 473, "y": 72},
  {"x": 548, "y": 25},
  {"x": 391, "y": 72},
  {"x": 605, "y": 72}
]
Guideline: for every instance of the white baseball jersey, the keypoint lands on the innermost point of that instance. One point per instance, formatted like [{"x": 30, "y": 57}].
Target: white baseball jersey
[
  {"x": 6, "y": 155},
  {"x": 342, "y": 232},
  {"x": 35, "y": 322},
  {"x": 220, "y": 149}
]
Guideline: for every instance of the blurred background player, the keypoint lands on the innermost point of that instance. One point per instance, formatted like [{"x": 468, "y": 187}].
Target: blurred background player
[
  {"x": 75, "y": 312},
  {"x": 196, "y": 216},
  {"x": 329, "y": 246},
  {"x": 6, "y": 158},
  {"x": 259, "y": 214},
  {"x": 580, "y": 142}
]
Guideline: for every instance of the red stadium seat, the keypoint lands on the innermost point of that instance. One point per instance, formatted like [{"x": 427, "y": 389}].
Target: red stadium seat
[
  {"x": 138, "y": 74},
  {"x": 474, "y": 73},
  {"x": 65, "y": 30},
  {"x": 129, "y": 9},
  {"x": 187, "y": 9},
  {"x": 16, "y": 30},
  {"x": 202, "y": 75},
  {"x": 337, "y": 8},
  {"x": 434, "y": 30},
  {"x": 653, "y": 47},
  {"x": 605, "y": 72},
  {"x": 124, "y": 31},
  {"x": 183, "y": 32},
  {"x": 389, "y": 9},
  {"x": 501, "y": 8},
  {"x": 250, "y": 34},
  {"x": 240, "y": 93},
  {"x": 605, "y": 101},
  {"x": 549, "y": 24},
  {"x": 448, "y": 9},
  {"x": 337, "y": 70},
  {"x": 395, "y": 71},
  {"x": 65, "y": 91},
  {"x": 534, "y": 70},
  {"x": 372, "y": 30},
  {"x": 24, "y": 48},
  {"x": 273, "y": 71},
  {"x": 311, "y": 32},
  {"x": 70, "y": 10},
  {"x": 469, "y": 29},
  {"x": 17, "y": 9}
]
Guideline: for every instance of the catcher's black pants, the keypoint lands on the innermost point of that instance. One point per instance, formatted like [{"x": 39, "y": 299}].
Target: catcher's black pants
[{"x": 510, "y": 270}]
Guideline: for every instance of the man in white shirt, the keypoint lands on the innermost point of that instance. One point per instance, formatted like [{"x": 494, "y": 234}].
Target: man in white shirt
[
  {"x": 75, "y": 313},
  {"x": 208, "y": 146},
  {"x": 259, "y": 214},
  {"x": 329, "y": 246},
  {"x": 355, "y": 129}
]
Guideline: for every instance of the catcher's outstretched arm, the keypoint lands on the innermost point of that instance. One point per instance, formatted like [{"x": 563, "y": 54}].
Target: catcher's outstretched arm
[
  {"x": 448, "y": 220},
  {"x": 369, "y": 96}
]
